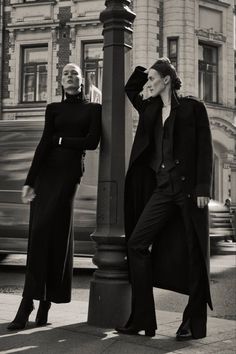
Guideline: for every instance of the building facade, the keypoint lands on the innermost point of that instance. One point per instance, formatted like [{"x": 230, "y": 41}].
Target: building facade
[
  {"x": 40, "y": 37},
  {"x": 1, "y": 51}
]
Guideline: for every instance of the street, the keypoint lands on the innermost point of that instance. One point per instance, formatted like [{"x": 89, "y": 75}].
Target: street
[{"x": 223, "y": 282}]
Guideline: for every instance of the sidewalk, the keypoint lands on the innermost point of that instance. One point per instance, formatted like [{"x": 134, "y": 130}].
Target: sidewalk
[{"x": 69, "y": 333}]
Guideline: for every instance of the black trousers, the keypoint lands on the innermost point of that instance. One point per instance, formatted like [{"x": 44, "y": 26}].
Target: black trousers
[{"x": 156, "y": 214}]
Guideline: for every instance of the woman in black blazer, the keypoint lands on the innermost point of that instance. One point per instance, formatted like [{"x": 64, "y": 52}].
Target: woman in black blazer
[
  {"x": 167, "y": 190},
  {"x": 71, "y": 127}
]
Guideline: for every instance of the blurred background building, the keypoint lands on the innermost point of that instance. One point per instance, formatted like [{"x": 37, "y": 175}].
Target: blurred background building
[{"x": 39, "y": 37}]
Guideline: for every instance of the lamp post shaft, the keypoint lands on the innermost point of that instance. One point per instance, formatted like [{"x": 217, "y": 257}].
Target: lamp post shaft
[{"x": 109, "y": 303}]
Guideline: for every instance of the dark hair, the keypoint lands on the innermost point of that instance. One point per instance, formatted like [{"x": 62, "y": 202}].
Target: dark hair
[{"x": 164, "y": 67}]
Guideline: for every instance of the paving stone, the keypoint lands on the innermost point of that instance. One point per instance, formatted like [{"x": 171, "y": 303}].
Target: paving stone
[
  {"x": 174, "y": 317},
  {"x": 130, "y": 348},
  {"x": 224, "y": 336},
  {"x": 53, "y": 341},
  {"x": 68, "y": 332},
  {"x": 206, "y": 349},
  {"x": 220, "y": 324}
]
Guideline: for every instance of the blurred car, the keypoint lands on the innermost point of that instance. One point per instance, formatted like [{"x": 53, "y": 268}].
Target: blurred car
[
  {"x": 220, "y": 221},
  {"x": 18, "y": 140}
]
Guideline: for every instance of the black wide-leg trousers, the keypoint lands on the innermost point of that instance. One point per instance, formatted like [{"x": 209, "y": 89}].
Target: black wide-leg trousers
[{"x": 157, "y": 212}]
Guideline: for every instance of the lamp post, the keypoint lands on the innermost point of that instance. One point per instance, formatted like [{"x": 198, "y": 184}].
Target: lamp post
[{"x": 110, "y": 294}]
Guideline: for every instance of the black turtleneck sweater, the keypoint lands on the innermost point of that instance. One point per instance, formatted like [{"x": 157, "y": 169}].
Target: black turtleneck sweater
[{"x": 78, "y": 122}]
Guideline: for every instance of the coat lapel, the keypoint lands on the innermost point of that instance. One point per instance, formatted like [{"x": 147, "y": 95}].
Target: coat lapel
[
  {"x": 174, "y": 106},
  {"x": 150, "y": 119},
  {"x": 152, "y": 114}
]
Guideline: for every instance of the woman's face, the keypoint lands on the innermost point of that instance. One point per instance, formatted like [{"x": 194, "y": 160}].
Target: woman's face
[
  {"x": 156, "y": 83},
  {"x": 71, "y": 77}
]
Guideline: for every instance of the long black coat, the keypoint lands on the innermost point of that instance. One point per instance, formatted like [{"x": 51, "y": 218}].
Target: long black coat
[{"x": 192, "y": 149}]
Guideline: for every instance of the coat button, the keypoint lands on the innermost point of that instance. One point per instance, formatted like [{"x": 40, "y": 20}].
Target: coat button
[
  {"x": 189, "y": 195},
  {"x": 163, "y": 165},
  {"x": 183, "y": 178},
  {"x": 177, "y": 162}
]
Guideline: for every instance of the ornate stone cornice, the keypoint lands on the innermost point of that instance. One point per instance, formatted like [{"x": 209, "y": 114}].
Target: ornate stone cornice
[
  {"x": 41, "y": 25},
  {"x": 223, "y": 125},
  {"x": 217, "y": 3},
  {"x": 20, "y": 3},
  {"x": 32, "y": 26},
  {"x": 210, "y": 34},
  {"x": 13, "y": 30},
  {"x": 83, "y": 22}
]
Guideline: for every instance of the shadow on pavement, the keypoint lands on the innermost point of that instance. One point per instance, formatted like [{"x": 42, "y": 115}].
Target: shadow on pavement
[{"x": 83, "y": 339}]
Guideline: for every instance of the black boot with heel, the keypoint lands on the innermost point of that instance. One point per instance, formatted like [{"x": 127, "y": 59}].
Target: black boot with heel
[
  {"x": 42, "y": 314},
  {"x": 22, "y": 315}
]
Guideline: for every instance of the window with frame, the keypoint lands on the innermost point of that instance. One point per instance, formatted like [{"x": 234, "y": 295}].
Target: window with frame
[
  {"x": 208, "y": 73},
  {"x": 93, "y": 69},
  {"x": 34, "y": 74},
  {"x": 173, "y": 51}
]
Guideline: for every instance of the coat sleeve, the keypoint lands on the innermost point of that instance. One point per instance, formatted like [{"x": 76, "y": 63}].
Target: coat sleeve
[
  {"x": 204, "y": 152},
  {"x": 91, "y": 140},
  {"x": 43, "y": 147},
  {"x": 134, "y": 86}
]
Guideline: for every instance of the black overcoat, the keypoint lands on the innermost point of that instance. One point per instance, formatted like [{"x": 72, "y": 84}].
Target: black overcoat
[{"x": 193, "y": 155}]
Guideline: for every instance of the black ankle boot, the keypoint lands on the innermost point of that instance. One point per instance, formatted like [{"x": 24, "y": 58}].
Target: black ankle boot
[
  {"x": 22, "y": 315},
  {"x": 42, "y": 314}
]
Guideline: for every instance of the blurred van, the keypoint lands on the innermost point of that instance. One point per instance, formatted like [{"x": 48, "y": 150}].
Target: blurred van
[{"x": 18, "y": 140}]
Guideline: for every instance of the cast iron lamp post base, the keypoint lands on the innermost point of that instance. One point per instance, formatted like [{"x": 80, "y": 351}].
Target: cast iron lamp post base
[{"x": 110, "y": 293}]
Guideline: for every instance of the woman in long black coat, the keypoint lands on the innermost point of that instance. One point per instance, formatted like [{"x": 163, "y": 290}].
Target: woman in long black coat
[
  {"x": 71, "y": 127},
  {"x": 167, "y": 190}
]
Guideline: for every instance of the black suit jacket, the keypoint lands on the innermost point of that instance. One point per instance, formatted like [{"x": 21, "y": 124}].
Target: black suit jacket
[{"x": 192, "y": 136}]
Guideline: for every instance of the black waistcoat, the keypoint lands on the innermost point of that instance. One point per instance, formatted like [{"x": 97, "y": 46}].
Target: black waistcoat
[
  {"x": 162, "y": 146},
  {"x": 162, "y": 158}
]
